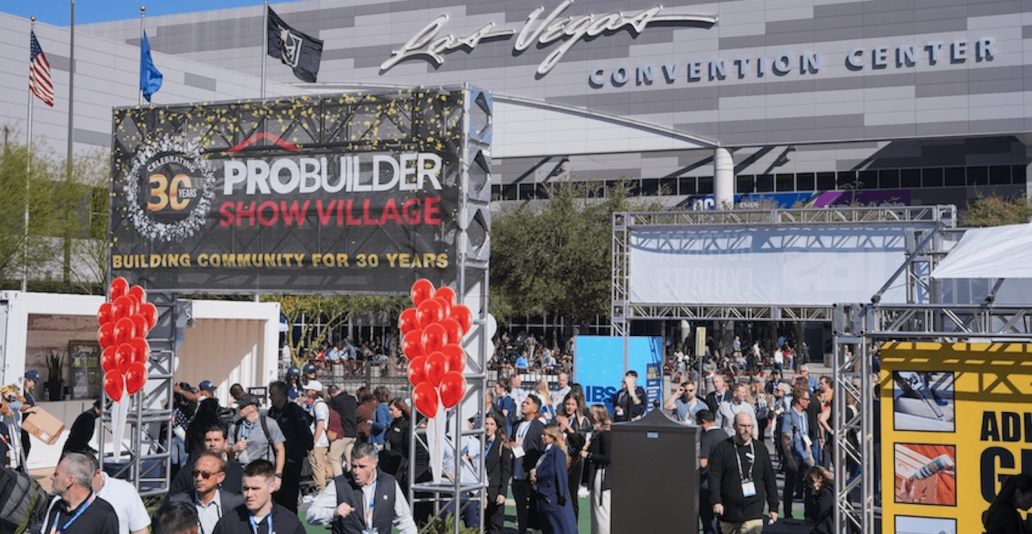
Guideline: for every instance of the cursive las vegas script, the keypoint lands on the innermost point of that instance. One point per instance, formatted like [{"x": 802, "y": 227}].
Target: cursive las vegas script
[{"x": 555, "y": 28}]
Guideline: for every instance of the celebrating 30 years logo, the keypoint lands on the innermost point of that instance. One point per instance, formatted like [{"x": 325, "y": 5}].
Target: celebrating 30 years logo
[{"x": 180, "y": 188}]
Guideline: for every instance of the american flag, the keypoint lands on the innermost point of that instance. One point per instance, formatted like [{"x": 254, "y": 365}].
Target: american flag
[{"x": 39, "y": 72}]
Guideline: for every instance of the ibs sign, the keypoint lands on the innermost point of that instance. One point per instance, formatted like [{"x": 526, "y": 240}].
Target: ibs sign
[
  {"x": 348, "y": 193},
  {"x": 956, "y": 421}
]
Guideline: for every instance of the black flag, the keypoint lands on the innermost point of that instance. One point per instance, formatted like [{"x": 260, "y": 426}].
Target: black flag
[{"x": 301, "y": 52}]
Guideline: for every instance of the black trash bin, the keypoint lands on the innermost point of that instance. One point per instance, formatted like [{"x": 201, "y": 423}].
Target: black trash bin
[{"x": 654, "y": 475}]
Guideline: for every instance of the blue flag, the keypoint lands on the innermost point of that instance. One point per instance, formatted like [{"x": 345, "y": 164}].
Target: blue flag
[{"x": 150, "y": 76}]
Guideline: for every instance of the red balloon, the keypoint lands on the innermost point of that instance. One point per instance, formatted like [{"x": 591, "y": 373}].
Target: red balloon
[
  {"x": 119, "y": 287},
  {"x": 452, "y": 389},
  {"x": 436, "y": 367},
  {"x": 141, "y": 350},
  {"x": 124, "y": 357},
  {"x": 139, "y": 293},
  {"x": 113, "y": 384},
  {"x": 445, "y": 305},
  {"x": 140, "y": 323},
  {"x": 104, "y": 314},
  {"x": 463, "y": 315},
  {"x": 106, "y": 335},
  {"x": 107, "y": 359},
  {"x": 453, "y": 328},
  {"x": 125, "y": 330},
  {"x": 417, "y": 370},
  {"x": 407, "y": 321},
  {"x": 412, "y": 344},
  {"x": 434, "y": 338},
  {"x": 447, "y": 293},
  {"x": 135, "y": 378},
  {"x": 456, "y": 357},
  {"x": 424, "y": 398},
  {"x": 422, "y": 289},
  {"x": 150, "y": 314},
  {"x": 124, "y": 306},
  {"x": 429, "y": 312}
]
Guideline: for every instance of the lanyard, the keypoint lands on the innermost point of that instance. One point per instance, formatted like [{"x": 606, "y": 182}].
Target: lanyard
[
  {"x": 82, "y": 508},
  {"x": 245, "y": 432},
  {"x": 369, "y": 511},
  {"x": 741, "y": 474},
  {"x": 200, "y": 507},
  {"x": 268, "y": 520}
]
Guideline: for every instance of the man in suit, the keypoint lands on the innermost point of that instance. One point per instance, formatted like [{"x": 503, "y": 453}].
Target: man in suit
[
  {"x": 210, "y": 500},
  {"x": 527, "y": 447}
]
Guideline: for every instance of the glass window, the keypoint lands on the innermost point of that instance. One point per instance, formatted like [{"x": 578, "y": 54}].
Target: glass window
[
  {"x": 650, "y": 187},
  {"x": 932, "y": 177},
  {"x": 910, "y": 178},
  {"x": 686, "y": 185},
  {"x": 955, "y": 176},
  {"x": 867, "y": 180},
  {"x": 1000, "y": 175},
  {"x": 888, "y": 179},
  {"x": 978, "y": 176},
  {"x": 806, "y": 181},
  {"x": 764, "y": 183},
  {"x": 744, "y": 184},
  {"x": 668, "y": 186},
  {"x": 784, "y": 182},
  {"x": 634, "y": 188},
  {"x": 825, "y": 181},
  {"x": 509, "y": 192},
  {"x": 527, "y": 191},
  {"x": 1018, "y": 174},
  {"x": 705, "y": 185},
  {"x": 496, "y": 192}
]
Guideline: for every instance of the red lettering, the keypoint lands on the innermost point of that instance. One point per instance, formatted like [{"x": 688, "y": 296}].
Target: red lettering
[
  {"x": 410, "y": 210},
  {"x": 390, "y": 212},
  {"x": 366, "y": 219},
  {"x": 245, "y": 212},
  {"x": 268, "y": 204},
  {"x": 324, "y": 216},
  {"x": 432, "y": 210},
  {"x": 226, "y": 210},
  {"x": 292, "y": 215},
  {"x": 352, "y": 221}
]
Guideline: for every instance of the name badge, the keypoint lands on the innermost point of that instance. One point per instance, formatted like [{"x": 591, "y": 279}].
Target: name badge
[
  {"x": 749, "y": 488},
  {"x": 518, "y": 452}
]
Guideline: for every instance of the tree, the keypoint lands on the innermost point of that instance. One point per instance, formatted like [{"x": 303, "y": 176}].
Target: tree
[
  {"x": 554, "y": 257},
  {"x": 997, "y": 211}
]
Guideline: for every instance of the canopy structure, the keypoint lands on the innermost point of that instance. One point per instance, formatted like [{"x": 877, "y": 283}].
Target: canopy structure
[{"x": 998, "y": 252}]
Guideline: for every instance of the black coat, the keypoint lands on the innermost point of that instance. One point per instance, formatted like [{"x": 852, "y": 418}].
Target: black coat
[
  {"x": 820, "y": 508},
  {"x": 345, "y": 405},
  {"x": 533, "y": 447},
  {"x": 81, "y": 433},
  {"x": 238, "y": 521},
  {"x": 630, "y": 409},
  {"x": 498, "y": 463},
  {"x": 726, "y": 482},
  {"x": 598, "y": 458},
  {"x": 227, "y": 500}
]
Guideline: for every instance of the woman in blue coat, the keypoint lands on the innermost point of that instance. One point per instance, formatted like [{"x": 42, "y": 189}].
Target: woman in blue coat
[{"x": 554, "y": 506}]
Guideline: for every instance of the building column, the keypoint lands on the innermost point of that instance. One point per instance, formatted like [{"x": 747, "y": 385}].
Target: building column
[{"x": 723, "y": 179}]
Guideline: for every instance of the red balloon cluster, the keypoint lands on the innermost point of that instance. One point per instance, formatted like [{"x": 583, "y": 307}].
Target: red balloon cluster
[
  {"x": 125, "y": 319},
  {"x": 431, "y": 332}
]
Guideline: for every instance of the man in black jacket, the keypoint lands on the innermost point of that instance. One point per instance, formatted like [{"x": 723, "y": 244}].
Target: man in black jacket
[
  {"x": 259, "y": 514},
  {"x": 345, "y": 405},
  {"x": 741, "y": 479},
  {"x": 82, "y": 431},
  {"x": 293, "y": 421}
]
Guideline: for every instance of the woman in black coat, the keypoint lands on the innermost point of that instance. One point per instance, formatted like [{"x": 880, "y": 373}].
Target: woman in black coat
[
  {"x": 597, "y": 455},
  {"x": 555, "y": 511},
  {"x": 395, "y": 453},
  {"x": 575, "y": 427},
  {"x": 498, "y": 464},
  {"x": 820, "y": 506}
]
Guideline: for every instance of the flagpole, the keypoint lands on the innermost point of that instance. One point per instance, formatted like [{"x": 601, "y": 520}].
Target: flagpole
[
  {"x": 139, "y": 95},
  {"x": 67, "y": 267},
  {"x": 28, "y": 173},
  {"x": 265, "y": 41}
]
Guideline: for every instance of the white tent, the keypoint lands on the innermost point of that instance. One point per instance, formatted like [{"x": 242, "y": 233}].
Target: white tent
[{"x": 998, "y": 252}]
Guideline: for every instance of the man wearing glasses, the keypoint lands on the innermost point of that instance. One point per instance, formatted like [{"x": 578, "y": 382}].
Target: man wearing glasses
[
  {"x": 684, "y": 404},
  {"x": 210, "y": 500},
  {"x": 796, "y": 442}
]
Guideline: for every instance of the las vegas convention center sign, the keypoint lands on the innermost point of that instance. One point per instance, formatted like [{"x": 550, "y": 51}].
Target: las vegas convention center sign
[{"x": 558, "y": 32}]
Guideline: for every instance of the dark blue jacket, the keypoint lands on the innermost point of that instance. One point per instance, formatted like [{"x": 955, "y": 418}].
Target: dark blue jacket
[{"x": 554, "y": 502}]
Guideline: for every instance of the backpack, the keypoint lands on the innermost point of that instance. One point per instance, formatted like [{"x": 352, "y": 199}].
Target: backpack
[
  {"x": 334, "y": 429},
  {"x": 265, "y": 429},
  {"x": 24, "y": 503}
]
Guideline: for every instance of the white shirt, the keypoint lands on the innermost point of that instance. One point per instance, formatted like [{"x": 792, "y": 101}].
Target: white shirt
[
  {"x": 122, "y": 496},
  {"x": 322, "y": 413},
  {"x": 209, "y": 514},
  {"x": 321, "y": 511}
]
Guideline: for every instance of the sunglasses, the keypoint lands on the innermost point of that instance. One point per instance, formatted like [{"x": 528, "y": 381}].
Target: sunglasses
[{"x": 205, "y": 474}]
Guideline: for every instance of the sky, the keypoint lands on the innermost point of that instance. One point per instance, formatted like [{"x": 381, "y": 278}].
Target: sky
[{"x": 58, "y": 12}]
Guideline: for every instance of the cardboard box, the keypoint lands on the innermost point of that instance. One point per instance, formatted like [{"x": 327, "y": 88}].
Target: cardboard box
[{"x": 44, "y": 426}]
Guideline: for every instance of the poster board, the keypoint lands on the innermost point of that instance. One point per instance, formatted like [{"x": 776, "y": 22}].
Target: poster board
[
  {"x": 599, "y": 367},
  {"x": 956, "y": 421},
  {"x": 87, "y": 376}
]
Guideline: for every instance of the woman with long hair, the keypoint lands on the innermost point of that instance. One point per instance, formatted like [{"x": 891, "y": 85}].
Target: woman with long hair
[
  {"x": 597, "y": 453},
  {"x": 554, "y": 506},
  {"x": 1002, "y": 516},
  {"x": 381, "y": 416},
  {"x": 543, "y": 392},
  {"x": 820, "y": 505},
  {"x": 394, "y": 456},
  {"x": 575, "y": 427},
  {"x": 498, "y": 464}
]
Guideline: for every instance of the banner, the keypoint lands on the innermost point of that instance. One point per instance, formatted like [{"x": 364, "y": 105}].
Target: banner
[
  {"x": 599, "y": 367},
  {"x": 956, "y": 421},
  {"x": 346, "y": 193}
]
